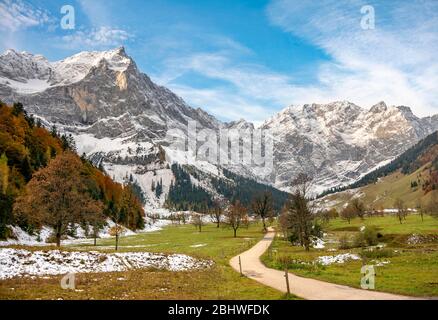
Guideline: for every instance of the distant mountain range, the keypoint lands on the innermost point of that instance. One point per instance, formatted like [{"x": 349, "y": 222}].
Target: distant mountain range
[
  {"x": 411, "y": 177},
  {"x": 119, "y": 118}
]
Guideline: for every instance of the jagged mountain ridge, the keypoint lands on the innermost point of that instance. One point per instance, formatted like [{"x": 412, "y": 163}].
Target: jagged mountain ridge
[
  {"x": 103, "y": 93},
  {"x": 340, "y": 141},
  {"x": 411, "y": 177},
  {"x": 117, "y": 115}
]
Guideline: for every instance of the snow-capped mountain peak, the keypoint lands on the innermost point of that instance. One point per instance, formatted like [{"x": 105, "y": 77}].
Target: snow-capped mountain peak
[
  {"x": 339, "y": 141},
  {"x": 107, "y": 103},
  {"x": 34, "y": 73},
  {"x": 75, "y": 68}
]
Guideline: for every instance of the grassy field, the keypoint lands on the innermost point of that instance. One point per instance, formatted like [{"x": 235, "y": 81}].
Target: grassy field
[
  {"x": 401, "y": 267},
  {"x": 220, "y": 282},
  {"x": 389, "y": 224},
  {"x": 383, "y": 193}
]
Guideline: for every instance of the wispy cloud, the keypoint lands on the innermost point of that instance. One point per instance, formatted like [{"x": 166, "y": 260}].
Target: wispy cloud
[
  {"x": 101, "y": 37},
  {"x": 96, "y": 11},
  {"x": 249, "y": 90},
  {"x": 222, "y": 103},
  {"x": 395, "y": 62},
  {"x": 18, "y": 15},
  {"x": 239, "y": 89}
]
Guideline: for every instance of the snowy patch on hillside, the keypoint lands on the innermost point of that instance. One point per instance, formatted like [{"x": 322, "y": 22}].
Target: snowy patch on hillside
[
  {"x": 26, "y": 87},
  {"x": 18, "y": 262},
  {"x": 21, "y": 237},
  {"x": 340, "y": 258}
]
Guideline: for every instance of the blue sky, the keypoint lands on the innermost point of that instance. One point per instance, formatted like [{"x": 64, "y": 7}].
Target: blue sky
[{"x": 249, "y": 59}]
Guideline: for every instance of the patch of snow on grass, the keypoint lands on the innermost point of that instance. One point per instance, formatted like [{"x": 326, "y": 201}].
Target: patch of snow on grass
[
  {"x": 318, "y": 243},
  {"x": 19, "y": 262},
  {"x": 381, "y": 263},
  {"x": 340, "y": 258},
  {"x": 198, "y": 245},
  {"x": 21, "y": 237}
]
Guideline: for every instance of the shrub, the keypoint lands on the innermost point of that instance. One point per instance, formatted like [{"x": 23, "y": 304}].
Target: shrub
[
  {"x": 371, "y": 236},
  {"x": 367, "y": 237},
  {"x": 344, "y": 242},
  {"x": 359, "y": 240},
  {"x": 317, "y": 230},
  {"x": 377, "y": 254}
]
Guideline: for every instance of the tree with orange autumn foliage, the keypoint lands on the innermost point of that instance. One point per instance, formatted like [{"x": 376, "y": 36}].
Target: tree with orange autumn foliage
[{"x": 57, "y": 196}]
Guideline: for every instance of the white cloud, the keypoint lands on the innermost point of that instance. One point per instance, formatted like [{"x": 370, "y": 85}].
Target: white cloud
[
  {"x": 97, "y": 12},
  {"x": 97, "y": 38},
  {"x": 18, "y": 15},
  {"x": 222, "y": 103},
  {"x": 395, "y": 62},
  {"x": 250, "y": 91}
]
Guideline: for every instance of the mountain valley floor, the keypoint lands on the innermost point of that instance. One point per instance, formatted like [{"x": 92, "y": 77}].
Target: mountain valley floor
[
  {"x": 404, "y": 257},
  {"x": 218, "y": 282}
]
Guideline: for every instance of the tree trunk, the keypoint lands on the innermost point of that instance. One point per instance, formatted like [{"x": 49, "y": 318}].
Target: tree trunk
[
  {"x": 200, "y": 228},
  {"x": 58, "y": 239},
  {"x": 264, "y": 225},
  {"x": 117, "y": 241},
  {"x": 235, "y": 233},
  {"x": 58, "y": 234},
  {"x": 95, "y": 235}
]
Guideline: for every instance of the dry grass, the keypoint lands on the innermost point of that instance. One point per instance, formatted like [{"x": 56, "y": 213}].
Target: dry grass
[{"x": 219, "y": 282}]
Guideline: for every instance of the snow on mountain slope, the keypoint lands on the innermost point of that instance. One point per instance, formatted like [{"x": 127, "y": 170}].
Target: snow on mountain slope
[
  {"x": 119, "y": 117},
  {"x": 25, "y": 67},
  {"x": 339, "y": 142},
  {"x": 75, "y": 68}
]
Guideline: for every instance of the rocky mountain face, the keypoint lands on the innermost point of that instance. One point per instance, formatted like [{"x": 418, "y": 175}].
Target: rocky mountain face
[
  {"x": 120, "y": 118},
  {"x": 339, "y": 142},
  {"x": 102, "y": 93}
]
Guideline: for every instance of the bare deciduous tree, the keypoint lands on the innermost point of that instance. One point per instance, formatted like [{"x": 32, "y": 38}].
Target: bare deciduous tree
[
  {"x": 401, "y": 209},
  {"x": 431, "y": 207},
  {"x": 197, "y": 221},
  {"x": 355, "y": 208},
  {"x": 183, "y": 217},
  {"x": 154, "y": 217},
  {"x": 217, "y": 212},
  {"x": 263, "y": 207},
  {"x": 359, "y": 208},
  {"x": 421, "y": 209},
  {"x": 236, "y": 216}
]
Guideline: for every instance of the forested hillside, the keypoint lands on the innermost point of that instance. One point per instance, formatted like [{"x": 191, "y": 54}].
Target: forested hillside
[
  {"x": 184, "y": 194},
  {"x": 38, "y": 168}
]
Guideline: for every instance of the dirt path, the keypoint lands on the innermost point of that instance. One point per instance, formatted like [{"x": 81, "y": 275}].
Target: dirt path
[{"x": 302, "y": 287}]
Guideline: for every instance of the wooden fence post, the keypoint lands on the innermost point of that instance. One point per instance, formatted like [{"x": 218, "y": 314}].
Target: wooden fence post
[{"x": 286, "y": 275}]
